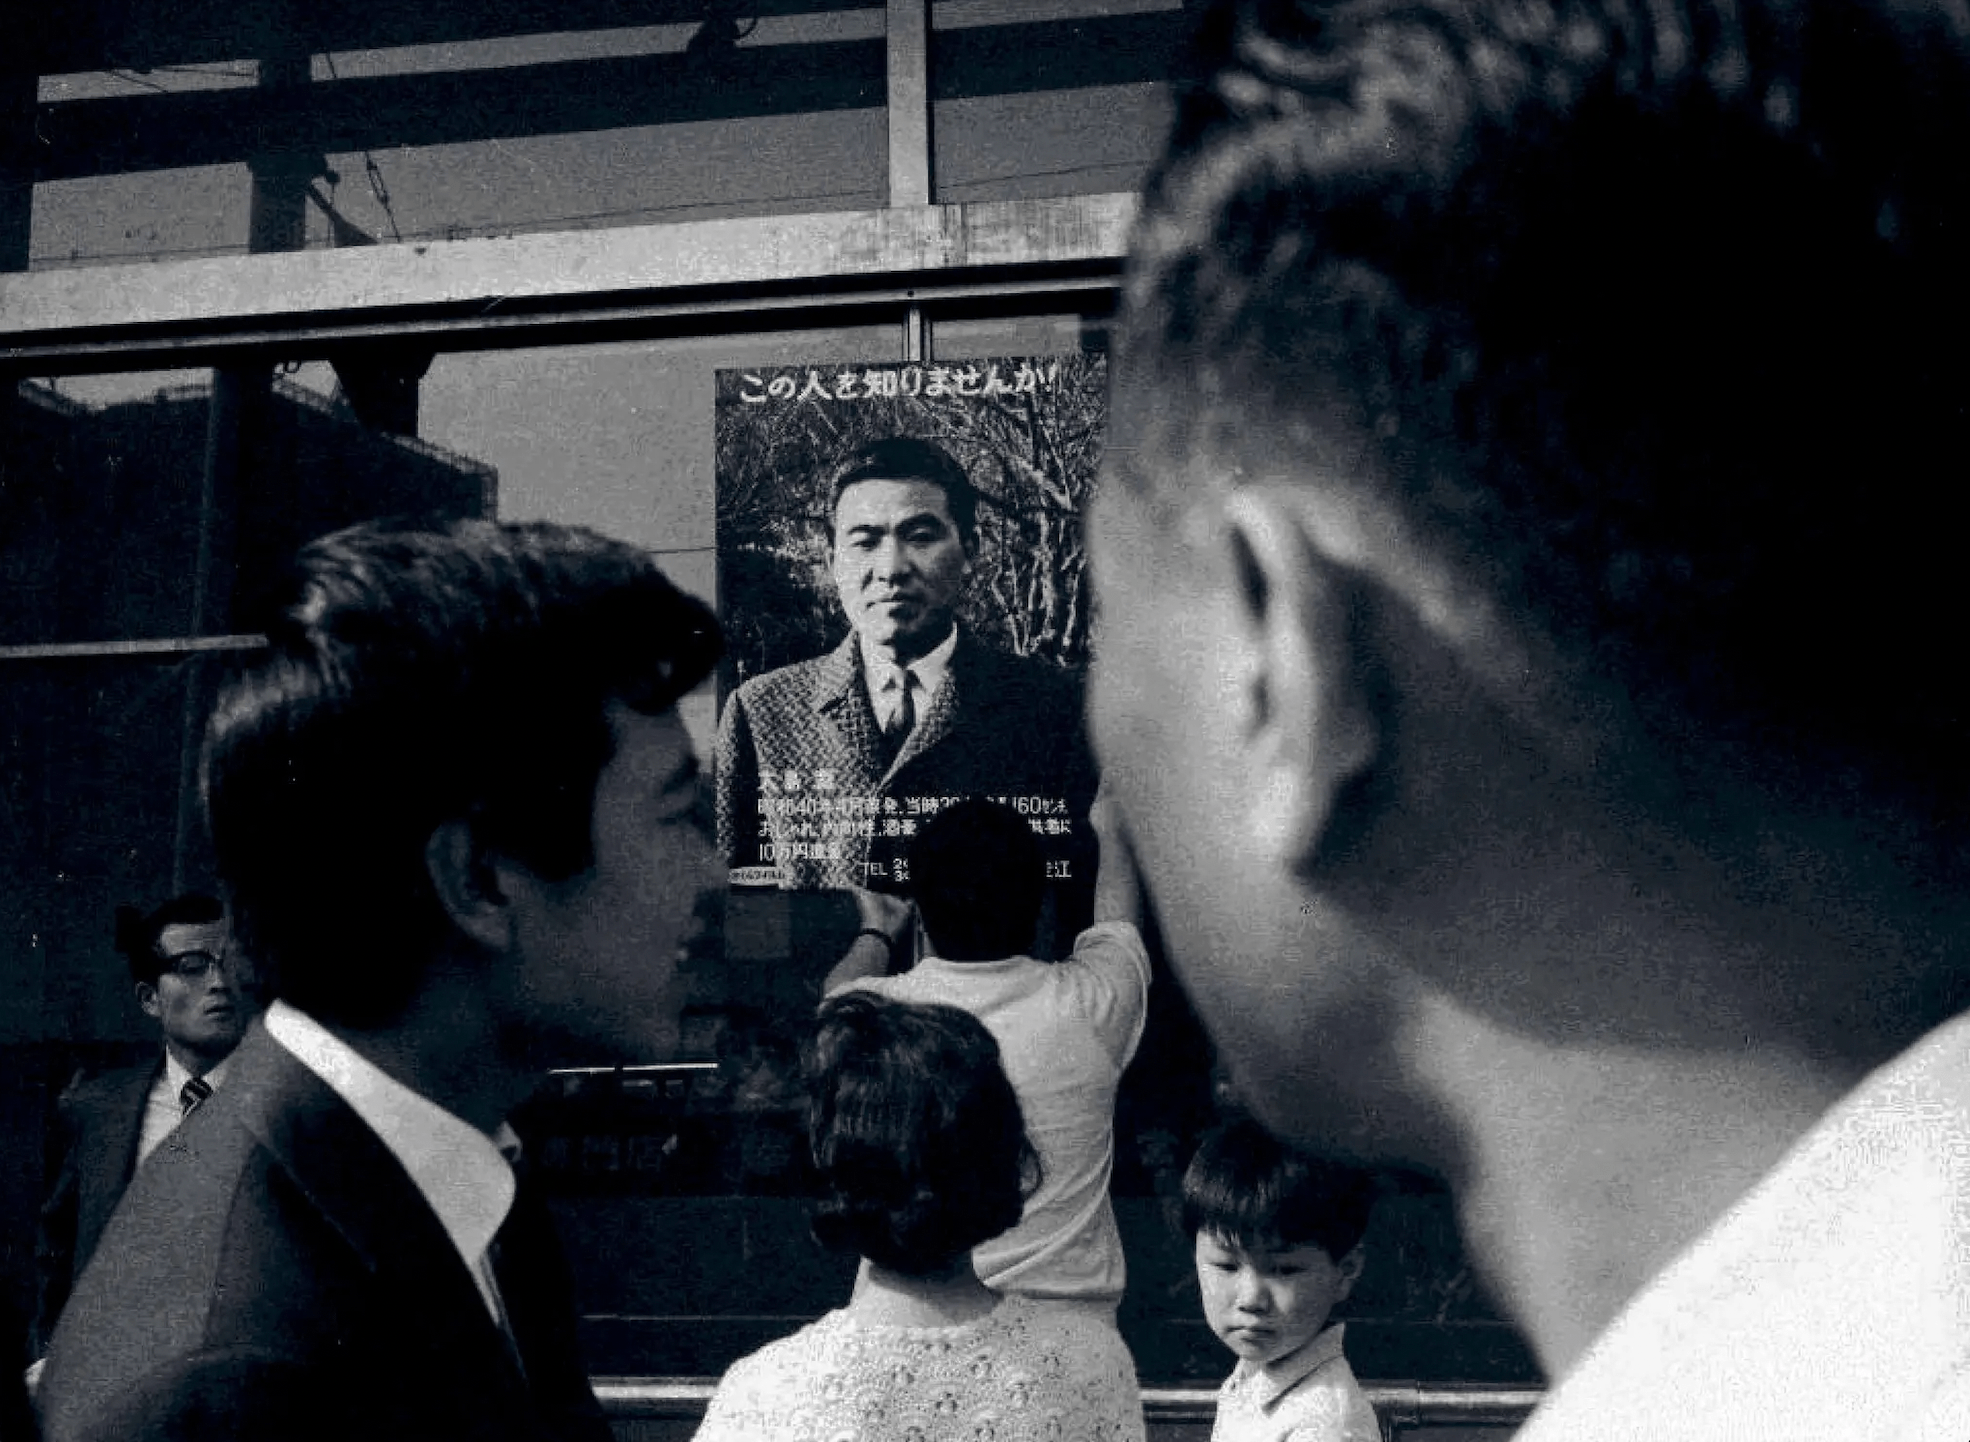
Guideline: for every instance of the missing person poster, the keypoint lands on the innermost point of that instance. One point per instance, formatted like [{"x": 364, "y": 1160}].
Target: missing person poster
[{"x": 903, "y": 584}]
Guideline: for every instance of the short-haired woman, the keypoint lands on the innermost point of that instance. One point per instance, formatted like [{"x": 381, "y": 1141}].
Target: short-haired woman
[{"x": 921, "y": 1154}]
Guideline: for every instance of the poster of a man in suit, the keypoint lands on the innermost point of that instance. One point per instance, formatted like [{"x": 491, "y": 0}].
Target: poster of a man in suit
[{"x": 903, "y": 583}]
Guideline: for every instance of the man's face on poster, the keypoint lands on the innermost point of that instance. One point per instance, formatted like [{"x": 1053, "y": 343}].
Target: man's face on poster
[{"x": 899, "y": 564}]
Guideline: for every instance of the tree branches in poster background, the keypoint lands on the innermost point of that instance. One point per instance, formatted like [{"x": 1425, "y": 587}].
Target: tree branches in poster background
[{"x": 1028, "y": 429}]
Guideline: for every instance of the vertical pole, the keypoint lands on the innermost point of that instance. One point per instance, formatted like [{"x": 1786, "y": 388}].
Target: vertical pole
[
  {"x": 235, "y": 427},
  {"x": 26, "y": 969},
  {"x": 909, "y": 102},
  {"x": 18, "y": 97},
  {"x": 909, "y": 132}
]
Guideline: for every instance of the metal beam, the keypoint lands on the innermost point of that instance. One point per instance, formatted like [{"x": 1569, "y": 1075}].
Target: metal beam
[
  {"x": 63, "y": 36},
  {"x": 74, "y": 139},
  {"x": 170, "y": 648},
  {"x": 112, "y": 317}
]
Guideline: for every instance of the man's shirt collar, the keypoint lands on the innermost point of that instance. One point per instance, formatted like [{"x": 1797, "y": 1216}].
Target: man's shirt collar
[
  {"x": 463, "y": 1173},
  {"x": 883, "y": 679},
  {"x": 176, "y": 1074}
]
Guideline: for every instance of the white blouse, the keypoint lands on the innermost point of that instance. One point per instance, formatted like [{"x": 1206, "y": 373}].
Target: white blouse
[{"x": 1025, "y": 1372}]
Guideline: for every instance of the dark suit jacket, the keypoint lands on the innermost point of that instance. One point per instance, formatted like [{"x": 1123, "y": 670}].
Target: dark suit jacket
[
  {"x": 273, "y": 1273},
  {"x": 98, "y": 1123},
  {"x": 1000, "y": 725}
]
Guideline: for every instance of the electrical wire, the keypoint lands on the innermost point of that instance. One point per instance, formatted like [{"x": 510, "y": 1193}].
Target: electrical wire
[
  {"x": 241, "y": 75},
  {"x": 371, "y": 169},
  {"x": 132, "y": 78}
]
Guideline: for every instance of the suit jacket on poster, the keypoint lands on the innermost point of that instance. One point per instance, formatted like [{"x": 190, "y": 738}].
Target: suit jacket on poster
[
  {"x": 1000, "y": 725},
  {"x": 273, "y": 1273},
  {"x": 99, "y": 1122}
]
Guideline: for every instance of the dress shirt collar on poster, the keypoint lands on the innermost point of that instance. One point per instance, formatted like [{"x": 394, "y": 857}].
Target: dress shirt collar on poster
[
  {"x": 463, "y": 1173},
  {"x": 885, "y": 681}
]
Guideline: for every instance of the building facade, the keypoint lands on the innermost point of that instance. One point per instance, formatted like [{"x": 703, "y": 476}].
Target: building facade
[{"x": 267, "y": 268}]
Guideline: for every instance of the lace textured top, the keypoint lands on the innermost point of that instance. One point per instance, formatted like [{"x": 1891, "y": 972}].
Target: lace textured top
[{"x": 1026, "y": 1372}]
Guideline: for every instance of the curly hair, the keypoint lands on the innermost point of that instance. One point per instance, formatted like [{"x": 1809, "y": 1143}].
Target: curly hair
[
  {"x": 916, "y": 1134},
  {"x": 1644, "y": 314}
]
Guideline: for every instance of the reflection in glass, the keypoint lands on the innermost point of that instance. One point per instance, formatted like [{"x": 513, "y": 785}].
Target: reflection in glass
[{"x": 463, "y": 134}]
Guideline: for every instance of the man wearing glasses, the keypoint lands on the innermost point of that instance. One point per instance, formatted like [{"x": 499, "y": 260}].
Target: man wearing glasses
[{"x": 200, "y": 992}]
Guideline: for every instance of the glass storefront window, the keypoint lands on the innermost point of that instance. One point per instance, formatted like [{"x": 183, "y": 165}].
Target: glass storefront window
[
  {"x": 474, "y": 134},
  {"x": 679, "y": 1184},
  {"x": 1002, "y": 334}
]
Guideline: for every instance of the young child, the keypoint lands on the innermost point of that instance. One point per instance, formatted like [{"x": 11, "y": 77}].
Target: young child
[{"x": 1278, "y": 1245}]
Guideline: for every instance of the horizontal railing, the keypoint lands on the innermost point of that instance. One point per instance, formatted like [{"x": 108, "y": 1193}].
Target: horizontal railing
[{"x": 1401, "y": 1406}]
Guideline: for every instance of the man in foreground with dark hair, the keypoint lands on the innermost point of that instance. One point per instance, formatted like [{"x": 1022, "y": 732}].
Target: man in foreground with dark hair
[
  {"x": 1066, "y": 1031},
  {"x": 456, "y": 812},
  {"x": 908, "y": 706},
  {"x": 198, "y": 988},
  {"x": 1529, "y": 599}
]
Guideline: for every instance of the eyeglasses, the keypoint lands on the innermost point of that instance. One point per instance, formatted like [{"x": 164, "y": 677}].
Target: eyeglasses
[{"x": 194, "y": 965}]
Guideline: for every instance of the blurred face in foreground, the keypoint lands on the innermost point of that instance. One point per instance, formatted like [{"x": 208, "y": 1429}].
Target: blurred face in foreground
[{"x": 1220, "y": 786}]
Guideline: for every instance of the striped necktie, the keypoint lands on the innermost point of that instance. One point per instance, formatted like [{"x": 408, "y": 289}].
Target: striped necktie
[
  {"x": 192, "y": 1093},
  {"x": 903, "y": 720}
]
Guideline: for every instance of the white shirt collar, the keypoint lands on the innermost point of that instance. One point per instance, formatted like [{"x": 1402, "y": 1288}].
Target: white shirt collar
[
  {"x": 1275, "y": 1379},
  {"x": 176, "y": 1074},
  {"x": 164, "y": 1106},
  {"x": 929, "y": 670},
  {"x": 1827, "y": 1302},
  {"x": 463, "y": 1173}
]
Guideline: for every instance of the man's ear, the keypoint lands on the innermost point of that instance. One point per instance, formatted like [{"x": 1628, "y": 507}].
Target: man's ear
[
  {"x": 1303, "y": 702},
  {"x": 147, "y": 1000},
  {"x": 466, "y": 879}
]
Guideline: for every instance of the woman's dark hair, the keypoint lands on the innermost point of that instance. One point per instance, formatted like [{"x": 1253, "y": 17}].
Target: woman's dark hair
[
  {"x": 1248, "y": 1187},
  {"x": 917, "y": 1137},
  {"x": 138, "y": 932}
]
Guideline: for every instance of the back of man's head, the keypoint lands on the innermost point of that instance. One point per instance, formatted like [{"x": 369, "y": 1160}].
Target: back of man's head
[
  {"x": 414, "y": 677},
  {"x": 1642, "y": 320},
  {"x": 979, "y": 879}
]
